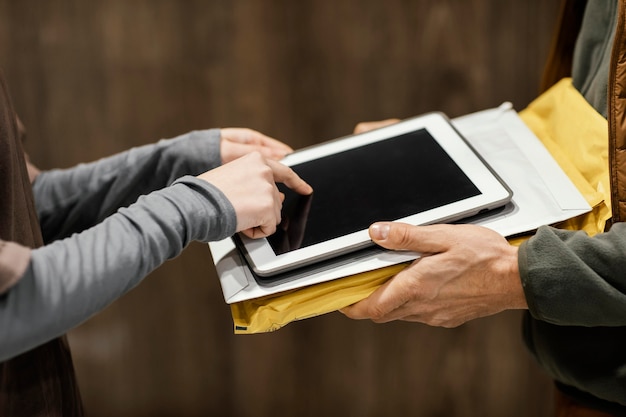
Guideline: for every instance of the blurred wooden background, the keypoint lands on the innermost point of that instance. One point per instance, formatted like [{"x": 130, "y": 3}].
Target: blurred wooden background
[{"x": 91, "y": 78}]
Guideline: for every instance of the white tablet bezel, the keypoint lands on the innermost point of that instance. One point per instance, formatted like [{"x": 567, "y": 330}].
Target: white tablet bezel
[{"x": 493, "y": 193}]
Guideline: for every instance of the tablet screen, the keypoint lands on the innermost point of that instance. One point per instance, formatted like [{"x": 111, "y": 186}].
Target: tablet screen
[{"x": 349, "y": 187}]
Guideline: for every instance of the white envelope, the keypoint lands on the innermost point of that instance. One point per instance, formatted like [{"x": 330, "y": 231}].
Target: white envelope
[{"x": 542, "y": 194}]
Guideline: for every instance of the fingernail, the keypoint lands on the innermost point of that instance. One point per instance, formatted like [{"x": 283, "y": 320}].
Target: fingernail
[{"x": 379, "y": 231}]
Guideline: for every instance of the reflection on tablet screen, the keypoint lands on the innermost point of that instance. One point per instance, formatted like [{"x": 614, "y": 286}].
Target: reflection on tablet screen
[{"x": 357, "y": 187}]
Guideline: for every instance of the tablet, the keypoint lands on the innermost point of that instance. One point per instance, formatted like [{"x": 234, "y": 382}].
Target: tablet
[{"x": 418, "y": 171}]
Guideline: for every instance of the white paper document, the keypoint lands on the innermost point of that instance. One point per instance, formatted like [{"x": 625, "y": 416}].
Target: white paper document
[{"x": 542, "y": 194}]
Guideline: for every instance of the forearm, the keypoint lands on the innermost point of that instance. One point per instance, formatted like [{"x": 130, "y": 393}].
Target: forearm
[
  {"x": 72, "y": 200},
  {"x": 570, "y": 278},
  {"x": 71, "y": 279}
]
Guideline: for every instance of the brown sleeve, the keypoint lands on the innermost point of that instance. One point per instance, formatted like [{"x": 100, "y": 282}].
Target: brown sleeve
[{"x": 14, "y": 260}]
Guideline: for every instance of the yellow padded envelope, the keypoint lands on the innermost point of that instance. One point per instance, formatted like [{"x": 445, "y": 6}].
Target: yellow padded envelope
[{"x": 572, "y": 131}]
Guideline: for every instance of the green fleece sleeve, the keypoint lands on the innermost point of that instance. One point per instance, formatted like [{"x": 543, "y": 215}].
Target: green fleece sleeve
[{"x": 570, "y": 278}]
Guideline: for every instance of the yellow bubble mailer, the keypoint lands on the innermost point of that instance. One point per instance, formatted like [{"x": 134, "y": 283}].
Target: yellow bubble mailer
[
  {"x": 572, "y": 131},
  {"x": 576, "y": 136}
]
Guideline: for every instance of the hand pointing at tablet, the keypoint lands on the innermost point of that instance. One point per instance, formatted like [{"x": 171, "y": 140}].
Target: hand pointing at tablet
[{"x": 249, "y": 183}]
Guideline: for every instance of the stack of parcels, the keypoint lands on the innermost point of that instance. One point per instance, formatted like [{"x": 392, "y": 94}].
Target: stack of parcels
[{"x": 553, "y": 156}]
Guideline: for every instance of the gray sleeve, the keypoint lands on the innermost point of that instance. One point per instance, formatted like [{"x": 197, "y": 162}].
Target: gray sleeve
[
  {"x": 570, "y": 278},
  {"x": 71, "y": 200},
  {"x": 71, "y": 279}
]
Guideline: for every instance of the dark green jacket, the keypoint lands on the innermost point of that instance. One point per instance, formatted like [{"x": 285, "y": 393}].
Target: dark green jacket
[{"x": 575, "y": 285}]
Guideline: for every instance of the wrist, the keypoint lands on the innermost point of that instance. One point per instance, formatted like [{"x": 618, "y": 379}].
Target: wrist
[{"x": 514, "y": 289}]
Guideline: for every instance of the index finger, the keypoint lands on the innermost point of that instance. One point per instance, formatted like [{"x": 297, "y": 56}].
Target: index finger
[
  {"x": 380, "y": 305},
  {"x": 286, "y": 175}
]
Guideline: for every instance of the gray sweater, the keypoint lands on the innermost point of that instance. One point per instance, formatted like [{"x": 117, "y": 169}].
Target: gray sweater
[{"x": 107, "y": 224}]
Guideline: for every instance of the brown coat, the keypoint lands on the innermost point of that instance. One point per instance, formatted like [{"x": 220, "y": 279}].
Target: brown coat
[{"x": 40, "y": 382}]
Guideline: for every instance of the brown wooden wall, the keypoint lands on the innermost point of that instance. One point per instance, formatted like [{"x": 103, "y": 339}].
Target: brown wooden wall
[{"x": 91, "y": 78}]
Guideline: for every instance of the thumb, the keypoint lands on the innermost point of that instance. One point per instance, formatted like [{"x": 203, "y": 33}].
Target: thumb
[
  {"x": 392, "y": 235},
  {"x": 403, "y": 236}
]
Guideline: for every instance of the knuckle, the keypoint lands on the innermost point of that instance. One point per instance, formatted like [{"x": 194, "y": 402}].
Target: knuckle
[
  {"x": 435, "y": 321},
  {"x": 267, "y": 204},
  {"x": 401, "y": 234},
  {"x": 255, "y": 157},
  {"x": 269, "y": 228},
  {"x": 448, "y": 323},
  {"x": 376, "y": 313},
  {"x": 349, "y": 313},
  {"x": 445, "y": 319},
  {"x": 267, "y": 174}
]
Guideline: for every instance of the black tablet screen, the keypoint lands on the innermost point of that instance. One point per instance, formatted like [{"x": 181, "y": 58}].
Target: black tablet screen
[{"x": 385, "y": 180}]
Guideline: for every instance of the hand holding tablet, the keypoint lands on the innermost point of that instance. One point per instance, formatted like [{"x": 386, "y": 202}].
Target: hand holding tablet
[{"x": 418, "y": 171}]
